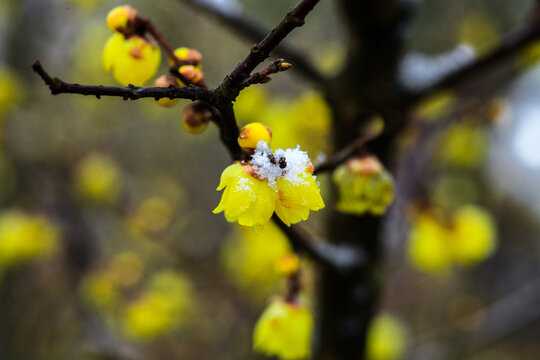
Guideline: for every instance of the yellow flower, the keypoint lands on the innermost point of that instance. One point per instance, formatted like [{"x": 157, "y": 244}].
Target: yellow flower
[
  {"x": 284, "y": 330},
  {"x": 166, "y": 81},
  {"x": 98, "y": 179},
  {"x": 10, "y": 90},
  {"x": 132, "y": 61},
  {"x": 251, "y": 134},
  {"x": 162, "y": 308},
  {"x": 468, "y": 239},
  {"x": 189, "y": 55},
  {"x": 387, "y": 339},
  {"x": 121, "y": 18},
  {"x": 250, "y": 259},
  {"x": 474, "y": 235},
  {"x": 24, "y": 237},
  {"x": 247, "y": 200},
  {"x": 297, "y": 198},
  {"x": 464, "y": 144},
  {"x": 364, "y": 186},
  {"x": 280, "y": 181},
  {"x": 428, "y": 245}
]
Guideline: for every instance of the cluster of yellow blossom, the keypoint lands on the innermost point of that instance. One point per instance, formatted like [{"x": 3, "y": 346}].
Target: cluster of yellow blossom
[
  {"x": 364, "y": 186},
  {"x": 387, "y": 339},
  {"x": 468, "y": 239},
  {"x": 24, "y": 237},
  {"x": 162, "y": 305},
  {"x": 305, "y": 120},
  {"x": 284, "y": 330},
  {"x": 151, "y": 216},
  {"x": 463, "y": 144},
  {"x": 255, "y": 261},
  {"x": 280, "y": 181},
  {"x": 97, "y": 179}
]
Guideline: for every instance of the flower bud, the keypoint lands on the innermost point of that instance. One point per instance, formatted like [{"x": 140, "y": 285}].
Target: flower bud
[
  {"x": 288, "y": 264},
  {"x": 122, "y": 19},
  {"x": 364, "y": 186},
  {"x": 166, "y": 81},
  {"x": 251, "y": 134},
  {"x": 196, "y": 117},
  {"x": 188, "y": 56},
  {"x": 192, "y": 75}
]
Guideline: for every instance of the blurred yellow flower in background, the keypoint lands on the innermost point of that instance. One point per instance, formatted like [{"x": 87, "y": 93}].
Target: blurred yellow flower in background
[
  {"x": 468, "y": 239},
  {"x": 163, "y": 307},
  {"x": 387, "y": 338},
  {"x": 252, "y": 259},
  {"x": 305, "y": 120},
  {"x": 24, "y": 237},
  {"x": 11, "y": 91},
  {"x": 97, "y": 179}
]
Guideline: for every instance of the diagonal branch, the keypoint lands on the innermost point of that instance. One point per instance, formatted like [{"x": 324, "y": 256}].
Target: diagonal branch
[
  {"x": 508, "y": 48},
  {"x": 339, "y": 257},
  {"x": 253, "y": 32},
  {"x": 58, "y": 86},
  {"x": 230, "y": 86}
]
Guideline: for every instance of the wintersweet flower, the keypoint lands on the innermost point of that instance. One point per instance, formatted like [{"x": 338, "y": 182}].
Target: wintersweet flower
[
  {"x": 282, "y": 181},
  {"x": 248, "y": 200},
  {"x": 364, "y": 186},
  {"x": 284, "y": 330},
  {"x": 297, "y": 198},
  {"x": 387, "y": 338},
  {"x": 467, "y": 238},
  {"x": 133, "y": 60}
]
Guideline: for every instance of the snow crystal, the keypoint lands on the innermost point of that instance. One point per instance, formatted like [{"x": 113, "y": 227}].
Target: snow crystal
[
  {"x": 242, "y": 185},
  {"x": 288, "y": 163}
]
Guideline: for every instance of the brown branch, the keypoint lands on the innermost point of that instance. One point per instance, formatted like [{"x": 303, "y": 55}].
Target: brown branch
[
  {"x": 230, "y": 86},
  {"x": 333, "y": 161},
  {"x": 510, "y": 46},
  {"x": 58, "y": 86},
  {"x": 262, "y": 77},
  {"x": 254, "y": 32},
  {"x": 338, "y": 257},
  {"x": 144, "y": 24}
]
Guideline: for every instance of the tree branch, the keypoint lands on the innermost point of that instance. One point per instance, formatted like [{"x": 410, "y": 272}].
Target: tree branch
[
  {"x": 262, "y": 77},
  {"x": 333, "y": 161},
  {"x": 508, "y": 48},
  {"x": 230, "y": 86},
  {"x": 58, "y": 86},
  {"x": 339, "y": 257},
  {"x": 254, "y": 32}
]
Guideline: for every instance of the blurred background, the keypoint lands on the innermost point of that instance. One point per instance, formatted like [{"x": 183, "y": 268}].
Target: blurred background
[{"x": 109, "y": 248}]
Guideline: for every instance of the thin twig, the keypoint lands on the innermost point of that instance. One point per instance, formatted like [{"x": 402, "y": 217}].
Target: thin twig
[
  {"x": 58, "y": 86},
  {"x": 333, "y": 161},
  {"x": 230, "y": 86},
  {"x": 253, "y": 32},
  {"x": 262, "y": 77},
  {"x": 147, "y": 25}
]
